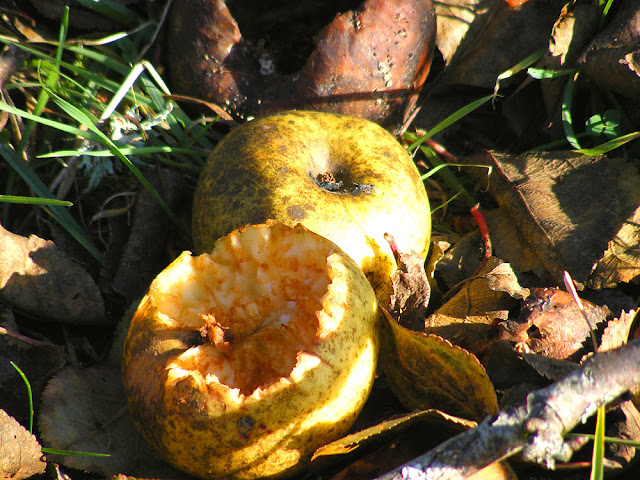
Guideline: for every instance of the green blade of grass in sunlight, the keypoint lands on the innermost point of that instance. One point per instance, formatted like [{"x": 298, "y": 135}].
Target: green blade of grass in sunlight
[
  {"x": 597, "y": 464},
  {"x": 62, "y": 216},
  {"x": 34, "y": 200}
]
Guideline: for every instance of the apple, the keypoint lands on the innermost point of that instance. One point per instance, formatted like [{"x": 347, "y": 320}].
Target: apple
[
  {"x": 342, "y": 177},
  {"x": 239, "y": 363}
]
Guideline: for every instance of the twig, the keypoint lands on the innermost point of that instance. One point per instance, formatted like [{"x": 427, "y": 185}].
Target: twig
[{"x": 535, "y": 429}]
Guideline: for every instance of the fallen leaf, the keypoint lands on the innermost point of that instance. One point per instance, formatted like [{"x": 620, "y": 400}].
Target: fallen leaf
[
  {"x": 612, "y": 59},
  {"x": 85, "y": 410},
  {"x": 142, "y": 257},
  {"x": 410, "y": 288},
  {"x": 551, "y": 368},
  {"x": 617, "y": 331},
  {"x": 567, "y": 207},
  {"x": 551, "y": 324},
  {"x": 435, "y": 419},
  {"x": 471, "y": 316},
  {"x": 20, "y": 453},
  {"x": 503, "y": 279},
  {"x": 621, "y": 260},
  {"x": 481, "y": 39},
  {"x": 40, "y": 280},
  {"x": 426, "y": 371}
]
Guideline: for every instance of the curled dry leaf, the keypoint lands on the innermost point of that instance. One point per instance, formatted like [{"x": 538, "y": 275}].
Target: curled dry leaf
[
  {"x": 142, "y": 258},
  {"x": 426, "y": 371},
  {"x": 551, "y": 324},
  {"x": 370, "y": 62},
  {"x": 410, "y": 288},
  {"x": 20, "y": 453},
  {"x": 40, "y": 280}
]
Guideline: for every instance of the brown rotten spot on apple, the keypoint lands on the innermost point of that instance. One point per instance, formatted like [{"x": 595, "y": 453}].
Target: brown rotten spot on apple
[{"x": 255, "y": 58}]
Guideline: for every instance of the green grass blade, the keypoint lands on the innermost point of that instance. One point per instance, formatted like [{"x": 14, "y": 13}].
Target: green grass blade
[
  {"x": 79, "y": 116},
  {"x": 567, "y": 121},
  {"x": 112, "y": 10},
  {"x": 451, "y": 119},
  {"x": 597, "y": 464},
  {"x": 34, "y": 200},
  {"x": 63, "y": 127},
  {"x": 29, "y": 394},
  {"x": 610, "y": 145},
  {"x": 52, "y": 79},
  {"x": 55, "y": 451},
  {"x": 61, "y": 216},
  {"x": 518, "y": 67}
]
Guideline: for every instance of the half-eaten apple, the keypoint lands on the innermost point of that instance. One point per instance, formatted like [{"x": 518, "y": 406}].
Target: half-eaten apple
[{"x": 240, "y": 362}]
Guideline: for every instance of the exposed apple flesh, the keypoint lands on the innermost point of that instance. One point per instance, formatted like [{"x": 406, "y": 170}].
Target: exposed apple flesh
[{"x": 241, "y": 362}]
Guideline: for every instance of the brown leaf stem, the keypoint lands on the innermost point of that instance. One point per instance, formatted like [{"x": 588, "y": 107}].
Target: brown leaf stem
[{"x": 535, "y": 429}]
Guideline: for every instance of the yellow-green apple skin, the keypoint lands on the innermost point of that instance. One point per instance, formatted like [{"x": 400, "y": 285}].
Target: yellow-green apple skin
[
  {"x": 241, "y": 362},
  {"x": 344, "y": 178}
]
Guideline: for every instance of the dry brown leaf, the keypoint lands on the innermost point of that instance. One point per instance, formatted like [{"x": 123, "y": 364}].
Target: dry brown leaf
[
  {"x": 612, "y": 59},
  {"x": 426, "y": 371},
  {"x": 503, "y": 279},
  {"x": 480, "y": 39},
  {"x": 39, "y": 279},
  {"x": 86, "y": 410},
  {"x": 617, "y": 331},
  {"x": 621, "y": 260},
  {"x": 20, "y": 453},
  {"x": 410, "y": 288},
  {"x": 382, "y": 447},
  {"x": 568, "y": 209},
  {"x": 142, "y": 258},
  {"x": 470, "y": 318},
  {"x": 435, "y": 419},
  {"x": 551, "y": 324}
]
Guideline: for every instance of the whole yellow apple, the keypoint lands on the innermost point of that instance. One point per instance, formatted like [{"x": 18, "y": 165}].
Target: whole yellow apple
[
  {"x": 344, "y": 178},
  {"x": 241, "y": 362}
]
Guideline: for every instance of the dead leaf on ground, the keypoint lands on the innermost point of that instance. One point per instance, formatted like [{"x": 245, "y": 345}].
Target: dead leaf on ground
[
  {"x": 612, "y": 59},
  {"x": 551, "y": 324},
  {"x": 20, "y": 453},
  {"x": 470, "y": 318},
  {"x": 426, "y": 371},
  {"x": 38, "y": 359},
  {"x": 403, "y": 438},
  {"x": 574, "y": 212},
  {"x": 444, "y": 424},
  {"x": 617, "y": 331},
  {"x": 141, "y": 259},
  {"x": 410, "y": 288},
  {"x": 86, "y": 410},
  {"x": 37, "y": 278},
  {"x": 480, "y": 39}
]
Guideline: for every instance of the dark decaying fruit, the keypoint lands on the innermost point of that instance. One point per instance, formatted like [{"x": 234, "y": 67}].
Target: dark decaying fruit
[{"x": 370, "y": 62}]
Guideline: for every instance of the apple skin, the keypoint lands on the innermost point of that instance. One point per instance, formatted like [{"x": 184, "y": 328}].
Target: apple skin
[
  {"x": 270, "y": 169},
  {"x": 210, "y": 429}
]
